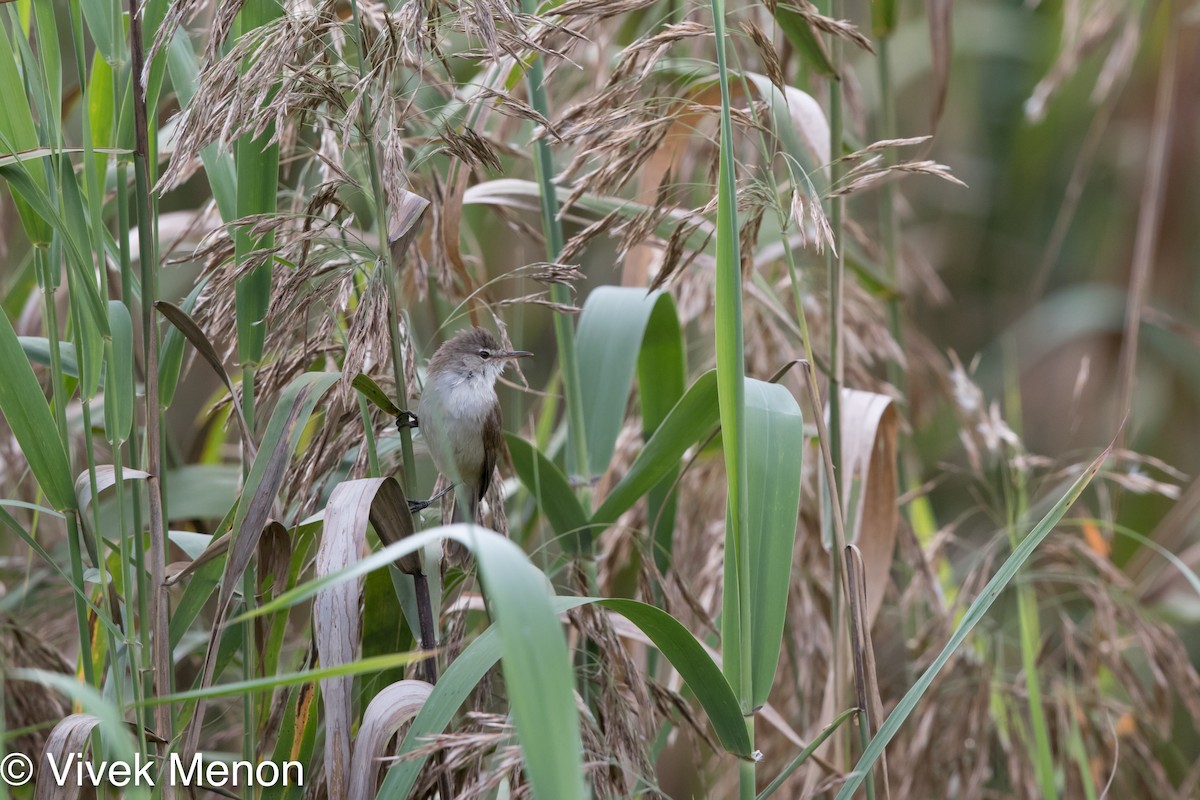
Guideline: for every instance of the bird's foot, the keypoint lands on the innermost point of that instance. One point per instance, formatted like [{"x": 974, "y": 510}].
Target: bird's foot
[
  {"x": 407, "y": 419},
  {"x": 420, "y": 505}
]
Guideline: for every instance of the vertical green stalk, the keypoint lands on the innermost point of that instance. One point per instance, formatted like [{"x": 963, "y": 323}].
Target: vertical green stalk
[
  {"x": 364, "y": 411},
  {"x": 836, "y": 263},
  {"x": 887, "y": 213},
  {"x": 257, "y": 164},
  {"x": 1027, "y": 616},
  {"x": 426, "y": 623},
  {"x": 564, "y": 329},
  {"x": 93, "y": 184},
  {"x": 145, "y": 591},
  {"x": 920, "y": 512},
  {"x": 1016, "y": 490},
  {"x": 46, "y": 274},
  {"x": 836, "y": 259},
  {"x": 98, "y": 543},
  {"x": 149, "y": 263},
  {"x": 382, "y": 219},
  {"x": 257, "y": 174},
  {"x": 130, "y": 577},
  {"x": 731, "y": 392}
]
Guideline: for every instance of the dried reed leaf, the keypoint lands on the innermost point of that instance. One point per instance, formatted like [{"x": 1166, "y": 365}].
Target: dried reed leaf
[
  {"x": 69, "y": 737},
  {"x": 865, "y": 674},
  {"x": 259, "y": 495},
  {"x": 218, "y": 547},
  {"x": 385, "y": 714},
  {"x": 274, "y": 561},
  {"x": 106, "y": 478},
  {"x": 870, "y": 427},
  {"x": 192, "y": 332},
  {"x": 337, "y": 621}
]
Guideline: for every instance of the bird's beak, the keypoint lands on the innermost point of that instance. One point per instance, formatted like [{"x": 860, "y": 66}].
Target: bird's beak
[{"x": 517, "y": 354}]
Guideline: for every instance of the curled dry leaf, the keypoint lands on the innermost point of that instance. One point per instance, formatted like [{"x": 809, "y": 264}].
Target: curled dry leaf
[
  {"x": 106, "y": 478},
  {"x": 337, "y": 616},
  {"x": 406, "y": 213},
  {"x": 68, "y": 737},
  {"x": 387, "y": 711},
  {"x": 870, "y": 426}
]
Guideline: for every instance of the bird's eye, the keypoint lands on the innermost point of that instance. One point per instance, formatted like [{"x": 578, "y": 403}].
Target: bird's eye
[{"x": 484, "y": 354}]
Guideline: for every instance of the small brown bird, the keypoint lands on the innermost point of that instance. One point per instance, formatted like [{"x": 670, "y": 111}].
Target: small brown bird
[{"x": 460, "y": 414}]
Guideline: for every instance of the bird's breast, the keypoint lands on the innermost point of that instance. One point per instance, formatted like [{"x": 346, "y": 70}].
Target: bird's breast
[{"x": 452, "y": 415}]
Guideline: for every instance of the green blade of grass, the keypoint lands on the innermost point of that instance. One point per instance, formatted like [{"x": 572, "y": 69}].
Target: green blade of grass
[
  {"x": 802, "y": 37},
  {"x": 806, "y": 753},
  {"x": 28, "y": 415},
  {"x": 616, "y": 323},
  {"x": 694, "y": 416},
  {"x": 971, "y": 618},
  {"x": 17, "y": 132},
  {"x": 218, "y": 164},
  {"x": 774, "y": 440},
  {"x": 662, "y": 381},
  {"x": 101, "y": 116},
  {"x": 696, "y": 667},
  {"x": 362, "y": 666},
  {"x": 103, "y": 18},
  {"x": 48, "y": 86},
  {"x": 736, "y": 616},
  {"x": 118, "y": 395},
  {"x": 550, "y": 488},
  {"x": 369, "y": 389},
  {"x": 37, "y": 348}
]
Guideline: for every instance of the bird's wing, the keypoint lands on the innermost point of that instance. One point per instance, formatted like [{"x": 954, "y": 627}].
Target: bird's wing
[{"x": 493, "y": 440}]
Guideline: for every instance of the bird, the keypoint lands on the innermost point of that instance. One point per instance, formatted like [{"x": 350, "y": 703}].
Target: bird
[{"x": 459, "y": 413}]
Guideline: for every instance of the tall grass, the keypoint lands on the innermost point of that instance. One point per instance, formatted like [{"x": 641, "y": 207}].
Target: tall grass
[{"x": 311, "y": 201}]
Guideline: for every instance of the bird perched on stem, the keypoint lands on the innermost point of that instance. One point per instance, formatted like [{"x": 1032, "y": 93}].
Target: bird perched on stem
[{"x": 459, "y": 413}]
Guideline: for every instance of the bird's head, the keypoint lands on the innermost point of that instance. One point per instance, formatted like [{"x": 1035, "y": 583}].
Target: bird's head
[{"x": 474, "y": 352}]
